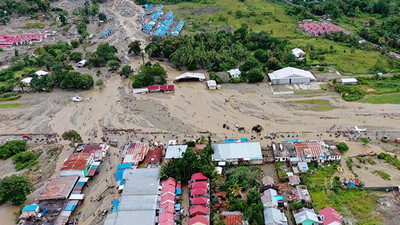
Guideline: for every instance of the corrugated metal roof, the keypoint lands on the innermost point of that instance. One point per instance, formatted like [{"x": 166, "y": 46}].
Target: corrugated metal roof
[
  {"x": 234, "y": 151},
  {"x": 175, "y": 151},
  {"x": 77, "y": 161},
  {"x": 58, "y": 188},
  {"x": 135, "y": 217},
  {"x": 138, "y": 203},
  {"x": 290, "y": 72},
  {"x": 141, "y": 181}
]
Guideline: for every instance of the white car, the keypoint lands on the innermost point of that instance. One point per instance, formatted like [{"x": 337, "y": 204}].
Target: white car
[{"x": 77, "y": 99}]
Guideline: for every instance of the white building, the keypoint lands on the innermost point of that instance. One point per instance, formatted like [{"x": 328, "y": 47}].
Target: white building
[
  {"x": 234, "y": 73},
  {"x": 212, "y": 84},
  {"x": 41, "y": 73},
  {"x": 348, "y": 81},
  {"x": 238, "y": 152},
  {"x": 190, "y": 77},
  {"x": 274, "y": 216},
  {"x": 175, "y": 151},
  {"x": 290, "y": 75},
  {"x": 298, "y": 53}
]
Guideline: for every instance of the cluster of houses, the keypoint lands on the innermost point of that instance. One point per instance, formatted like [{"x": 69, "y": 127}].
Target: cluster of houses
[
  {"x": 9, "y": 41},
  {"x": 199, "y": 190},
  {"x": 294, "y": 151},
  {"x": 61, "y": 195},
  {"x": 169, "y": 202},
  {"x": 155, "y": 88},
  {"x": 316, "y": 29}
]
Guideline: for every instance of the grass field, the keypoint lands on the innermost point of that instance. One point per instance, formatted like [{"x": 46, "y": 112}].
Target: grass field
[
  {"x": 318, "y": 105},
  {"x": 314, "y": 102},
  {"x": 271, "y": 17},
  {"x": 11, "y": 105},
  {"x": 393, "y": 98}
]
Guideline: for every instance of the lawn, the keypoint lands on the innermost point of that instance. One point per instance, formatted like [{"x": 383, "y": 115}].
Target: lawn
[
  {"x": 392, "y": 98},
  {"x": 314, "y": 102},
  {"x": 11, "y": 105},
  {"x": 349, "y": 202},
  {"x": 306, "y": 92}
]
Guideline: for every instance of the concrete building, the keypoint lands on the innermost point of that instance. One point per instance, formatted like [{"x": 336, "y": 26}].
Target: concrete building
[
  {"x": 284, "y": 152},
  {"x": 267, "y": 198},
  {"x": 306, "y": 217},
  {"x": 290, "y": 75},
  {"x": 238, "y": 152}
]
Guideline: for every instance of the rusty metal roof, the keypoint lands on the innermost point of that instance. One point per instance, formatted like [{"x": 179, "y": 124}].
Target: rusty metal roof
[{"x": 58, "y": 188}]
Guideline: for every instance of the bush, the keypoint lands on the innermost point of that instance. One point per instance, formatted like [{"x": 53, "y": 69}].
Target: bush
[
  {"x": 342, "y": 147},
  {"x": 11, "y": 148},
  {"x": 75, "y": 43},
  {"x": 15, "y": 189},
  {"x": 76, "y": 80},
  {"x": 214, "y": 76},
  {"x": 9, "y": 96},
  {"x": 76, "y": 56},
  {"x": 25, "y": 159},
  {"x": 350, "y": 93},
  {"x": 99, "y": 83},
  {"x": 255, "y": 75},
  {"x": 149, "y": 74}
]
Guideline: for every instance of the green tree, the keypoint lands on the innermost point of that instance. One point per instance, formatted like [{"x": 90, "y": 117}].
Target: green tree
[
  {"x": 150, "y": 74},
  {"x": 99, "y": 83},
  {"x": 63, "y": 20},
  {"x": 24, "y": 159},
  {"x": 364, "y": 140},
  {"x": 135, "y": 47},
  {"x": 168, "y": 50},
  {"x": 342, "y": 147},
  {"x": 273, "y": 63},
  {"x": 126, "y": 71},
  {"x": 102, "y": 17},
  {"x": 250, "y": 63},
  {"x": 75, "y": 43},
  {"x": 15, "y": 189},
  {"x": 73, "y": 136},
  {"x": 153, "y": 49},
  {"x": 76, "y": 56},
  {"x": 255, "y": 75},
  {"x": 113, "y": 64},
  {"x": 11, "y": 148}
]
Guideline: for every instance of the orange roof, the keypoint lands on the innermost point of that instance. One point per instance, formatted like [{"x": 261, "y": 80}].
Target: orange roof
[
  {"x": 233, "y": 218},
  {"x": 77, "y": 161}
]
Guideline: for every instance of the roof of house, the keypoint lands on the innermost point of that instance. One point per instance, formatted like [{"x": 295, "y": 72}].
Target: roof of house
[
  {"x": 199, "y": 184},
  {"x": 135, "y": 152},
  {"x": 175, "y": 151},
  {"x": 267, "y": 198},
  {"x": 199, "y": 201},
  {"x": 298, "y": 52},
  {"x": 274, "y": 216},
  {"x": 76, "y": 161},
  {"x": 237, "y": 150},
  {"x": 293, "y": 180},
  {"x": 234, "y": 72},
  {"x": 30, "y": 207},
  {"x": 348, "y": 80},
  {"x": 211, "y": 83},
  {"x": 198, "y": 177},
  {"x": 290, "y": 72},
  {"x": 233, "y": 217},
  {"x": 199, "y": 209},
  {"x": 284, "y": 149},
  {"x": 190, "y": 75},
  {"x": 300, "y": 193},
  {"x": 305, "y": 214},
  {"x": 197, "y": 220},
  {"x": 267, "y": 180},
  {"x": 302, "y": 165},
  {"x": 94, "y": 147},
  {"x": 199, "y": 191},
  {"x": 330, "y": 216},
  {"x": 154, "y": 155},
  {"x": 58, "y": 188},
  {"x": 312, "y": 149},
  {"x": 27, "y": 80},
  {"x": 41, "y": 73},
  {"x": 141, "y": 181}
]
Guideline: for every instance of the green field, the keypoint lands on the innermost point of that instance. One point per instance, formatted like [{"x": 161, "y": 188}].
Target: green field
[
  {"x": 314, "y": 102},
  {"x": 393, "y": 98},
  {"x": 11, "y": 105},
  {"x": 271, "y": 17}
]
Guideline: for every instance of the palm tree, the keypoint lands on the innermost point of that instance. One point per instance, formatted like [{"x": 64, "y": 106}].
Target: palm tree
[{"x": 236, "y": 190}]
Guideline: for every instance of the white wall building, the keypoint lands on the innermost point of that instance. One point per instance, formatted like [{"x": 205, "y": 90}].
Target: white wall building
[{"x": 290, "y": 75}]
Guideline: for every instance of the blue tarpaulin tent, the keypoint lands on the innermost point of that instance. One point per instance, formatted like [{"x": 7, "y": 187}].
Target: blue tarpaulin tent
[
  {"x": 178, "y": 191},
  {"x": 119, "y": 174},
  {"x": 124, "y": 166},
  {"x": 116, "y": 205}
]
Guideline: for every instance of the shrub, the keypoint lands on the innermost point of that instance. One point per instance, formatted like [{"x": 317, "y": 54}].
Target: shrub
[
  {"x": 11, "y": 148},
  {"x": 342, "y": 147},
  {"x": 25, "y": 159},
  {"x": 9, "y": 96},
  {"x": 214, "y": 76}
]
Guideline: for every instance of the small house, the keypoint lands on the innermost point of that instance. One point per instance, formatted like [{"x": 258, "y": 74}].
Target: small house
[
  {"x": 284, "y": 152},
  {"x": 77, "y": 164},
  {"x": 267, "y": 181},
  {"x": 26, "y": 81},
  {"x": 30, "y": 210},
  {"x": 238, "y": 152},
  {"x": 294, "y": 180},
  {"x": 232, "y": 218},
  {"x": 298, "y": 53},
  {"x": 273, "y": 216},
  {"x": 81, "y": 63},
  {"x": 199, "y": 210},
  {"x": 175, "y": 152},
  {"x": 306, "y": 217},
  {"x": 303, "y": 167},
  {"x": 330, "y": 216},
  {"x": 268, "y": 198},
  {"x": 301, "y": 193},
  {"x": 212, "y": 84},
  {"x": 233, "y": 73},
  {"x": 199, "y": 220},
  {"x": 154, "y": 156},
  {"x": 348, "y": 81}
]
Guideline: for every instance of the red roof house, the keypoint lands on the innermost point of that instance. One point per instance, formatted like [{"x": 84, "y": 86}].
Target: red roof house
[
  {"x": 154, "y": 88},
  {"x": 77, "y": 164},
  {"x": 154, "y": 156},
  {"x": 200, "y": 184},
  {"x": 199, "y": 201},
  {"x": 199, "y": 210},
  {"x": 331, "y": 216},
  {"x": 199, "y": 191},
  {"x": 199, "y": 177},
  {"x": 198, "y": 220}
]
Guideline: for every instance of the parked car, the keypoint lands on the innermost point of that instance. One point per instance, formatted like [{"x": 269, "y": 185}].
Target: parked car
[{"x": 104, "y": 212}]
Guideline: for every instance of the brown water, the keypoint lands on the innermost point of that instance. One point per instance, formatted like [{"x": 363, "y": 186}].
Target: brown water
[{"x": 6, "y": 214}]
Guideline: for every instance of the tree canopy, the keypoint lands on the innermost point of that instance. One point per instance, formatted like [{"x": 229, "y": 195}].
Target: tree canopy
[
  {"x": 150, "y": 74},
  {"x": 11, "y": 148},
  {"x": 73, "y": 136},
  {"x": 15, "y": 189}
]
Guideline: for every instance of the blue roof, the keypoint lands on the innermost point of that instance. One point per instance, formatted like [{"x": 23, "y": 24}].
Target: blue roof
[
  {"x": 122, "y": 182},
  {"x": 178, "y": 191},
  {"x": 124, "y": 166},
  {"x": 80, "y": 183},
  {"x": 230, "y": 140},
  {"x": 116, "y": 205},
  {"x": 278, "y": 197},
  {"x": 292, "y": 140},
  {"x": 244, "y": 140},
  {"x": 119, "y": 174},
  {"x": 30, "y": 207},
  {"x": 69, "y": 207},
  {"x": 94, "y": 166},
  {"x": 177, "y": 206}
]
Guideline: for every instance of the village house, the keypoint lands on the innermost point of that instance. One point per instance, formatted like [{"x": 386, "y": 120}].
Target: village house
[
  {"x": 306, "y": 217},
  {"x": 174, "y": 152},
  {"x": 238, "y": 152},
  {"x": 77, "y": 164},
  {"x": 273, "y": 216},
  {"x": 330, "y": 216},
  {"x": 267, "y": 181},
  {"x": 232, "y": 218},
  {"x": 303, "y": 167},
  {"x": 285, "y": 152},
  {"x": 233, "y": 73},
  {"x": 298, "y": 53},
  {"x": 154, "y": 156},
  {"x": 294, "y": 180},
  {"x": 134, "y": 153},
  {"x": 98, "y": 151},
  {"x": 268, "y": 198},
  {"x": 309, "y": 152},
  {"x": 299, "y": 193},
  {"x": 199, "y": 194}
]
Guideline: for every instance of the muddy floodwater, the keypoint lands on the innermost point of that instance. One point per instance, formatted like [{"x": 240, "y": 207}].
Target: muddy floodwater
[{"x": 6, "y": 214}]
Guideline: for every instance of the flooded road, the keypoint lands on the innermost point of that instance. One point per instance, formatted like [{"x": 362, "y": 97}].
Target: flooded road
[{"x": 6, "y": 214}]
